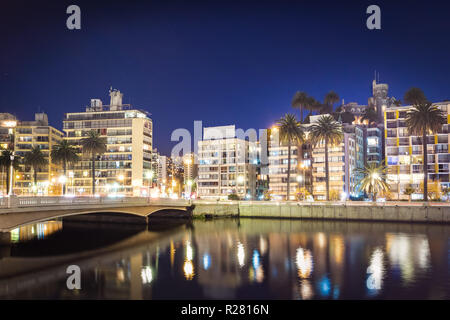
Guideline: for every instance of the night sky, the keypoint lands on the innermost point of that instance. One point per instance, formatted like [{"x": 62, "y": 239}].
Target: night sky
[{"x": 222, "y": 62}]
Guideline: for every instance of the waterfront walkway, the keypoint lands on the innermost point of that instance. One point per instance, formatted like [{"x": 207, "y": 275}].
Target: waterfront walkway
[{"x": 18, "y": 211}]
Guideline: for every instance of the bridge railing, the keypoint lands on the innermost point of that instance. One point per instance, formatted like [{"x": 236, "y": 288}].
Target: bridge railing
[{"x": 26, "y": 202}]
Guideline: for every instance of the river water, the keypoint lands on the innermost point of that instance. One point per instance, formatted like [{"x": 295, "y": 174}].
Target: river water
[{"x": 228, "y": 259}]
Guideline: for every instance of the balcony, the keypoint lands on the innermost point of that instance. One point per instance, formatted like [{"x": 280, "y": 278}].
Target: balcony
[{"x": 391, "y": 124}]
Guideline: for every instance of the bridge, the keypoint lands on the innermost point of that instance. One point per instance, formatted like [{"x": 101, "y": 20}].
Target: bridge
[{"x": 18, "y": 211}]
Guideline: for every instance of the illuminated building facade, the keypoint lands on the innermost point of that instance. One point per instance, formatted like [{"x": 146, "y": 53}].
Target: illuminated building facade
[
  {"x": 126, "y": 165},
  {"x": 225, "y": 164},
  {"x": 404, "y": 153},
  {"x": 343, "y": 160},
  {"x": 30, "y": 134},
  {"x": 278, "y": 164}
]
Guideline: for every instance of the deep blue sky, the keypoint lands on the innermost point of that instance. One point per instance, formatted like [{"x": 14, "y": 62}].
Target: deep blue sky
[{"x": 223, "y": 62}]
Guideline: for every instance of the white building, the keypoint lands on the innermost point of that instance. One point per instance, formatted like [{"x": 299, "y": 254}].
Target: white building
[
  {"x": 404, "y": 154},
  {"x": 225, "y": 164},
  {"x": 343, "y": 159},
  {"x": 125, "y": 166}
]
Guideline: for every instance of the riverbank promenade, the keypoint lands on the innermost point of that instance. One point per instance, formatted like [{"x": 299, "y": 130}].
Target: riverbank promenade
[{"x": 16, "y": 211}]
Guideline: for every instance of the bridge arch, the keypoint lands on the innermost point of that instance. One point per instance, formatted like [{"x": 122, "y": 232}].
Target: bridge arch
[{"x": 121, "y": 214}]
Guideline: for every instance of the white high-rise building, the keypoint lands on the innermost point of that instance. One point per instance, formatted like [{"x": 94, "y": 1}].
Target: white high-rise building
[
  {"x": 225, "y": 164},
  {"x": 126, "y": 164},
  {"x": 404, "y": 154},
  {"x": 343, "y": 159}
]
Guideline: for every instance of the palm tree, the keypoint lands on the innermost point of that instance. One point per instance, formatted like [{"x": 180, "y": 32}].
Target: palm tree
[
  {"x": 92, "y": 146},
  {"x": 373, "y": 179},
  {"x": 35, "y": 159},
  {"x": 424, "y": 118},
  {"x": 397, "y": 102},
  {"x": 5, "y": 165},
  {"x": 64, "y": 153},
  {"x": 329, "y": 131},
  {"x": 312, "y": 105},
  {"x": 414, "y": 96},
  {"x": 290, "y": 131},
  {"x": 299, "y": 101},
  {"x": 330, "y": 99}
]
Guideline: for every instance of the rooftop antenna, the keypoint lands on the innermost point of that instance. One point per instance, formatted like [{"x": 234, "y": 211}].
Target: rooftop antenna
[{"x": 375, "y": 76}]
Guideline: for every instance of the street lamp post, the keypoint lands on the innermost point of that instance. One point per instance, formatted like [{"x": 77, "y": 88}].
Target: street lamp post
[{"x": 11, "y": 175}]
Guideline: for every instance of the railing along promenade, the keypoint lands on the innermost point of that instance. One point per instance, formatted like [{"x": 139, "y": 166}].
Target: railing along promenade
[
  {"x": 50, "y": 201},
  {"x": 436, "y": 212}
]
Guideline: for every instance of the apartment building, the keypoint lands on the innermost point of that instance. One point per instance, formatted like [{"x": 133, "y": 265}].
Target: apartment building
[
  {"x": 125, "y": 165},
  {"x": 225, "y": 164},
  {"x": 278, "y": 167},
  {"x": 373, "y": 144},
  {"x": 190, "y": 167},
  {"x": 343, "y": 160},
  {"x": 405, "y": 155},
  {"x": 30, "y": 134},
  {"x": 7, "y": 124}
]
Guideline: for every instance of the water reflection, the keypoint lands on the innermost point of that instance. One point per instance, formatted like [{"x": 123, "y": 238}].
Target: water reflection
[
  {"x": 224, "y": 259},
  {"x": 411, "y": 255},
  {"x": 38, "y": 231},
  {"x": 376, "y": 271},
  {"x": 304, "y": 263}
]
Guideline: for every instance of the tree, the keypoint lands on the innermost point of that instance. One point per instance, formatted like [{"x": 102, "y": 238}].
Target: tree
[
  {"x": 415, "y": 96},
  {"x": 36, "y": 160},
  {"x": 423, "y": 119},
  {"x": 370, "y": 115},
  {"x": 299, "y": 101},
  {"x": 291, "y": 131},
  {"x": 328, "y": 131},
  {"x": 397, "y": 102},
  {"x": 312, "y": 105},
  {"x": 409, "y": 190},
  {"x": 330, "y": 99},
  {"x": 373, "y": 179},
  {"x": 233, "y": 196},
  {"x": 5, "y": 165},
  {"x": 93, "y": 146},
  {"x": 64, "y": 153}
]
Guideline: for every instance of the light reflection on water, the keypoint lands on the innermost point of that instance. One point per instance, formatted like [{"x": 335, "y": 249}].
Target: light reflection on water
[
  {"x": 272, "y": 259},
  {"x": 35, "y": 231}
]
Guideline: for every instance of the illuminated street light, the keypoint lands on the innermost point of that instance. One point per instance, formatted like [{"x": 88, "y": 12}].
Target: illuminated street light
[
  {"x": 240, "y": 179},
  {"x": 62, "y": 179},
  {"x": 120, "y": 177},
  {"x": 149, "y": 174}
]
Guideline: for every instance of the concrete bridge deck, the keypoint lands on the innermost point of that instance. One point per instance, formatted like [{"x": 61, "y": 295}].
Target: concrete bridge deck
[{"x": 19, "y": 211}]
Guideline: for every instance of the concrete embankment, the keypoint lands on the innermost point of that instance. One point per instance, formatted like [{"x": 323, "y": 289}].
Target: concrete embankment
[{"x": 431, "y": 213}]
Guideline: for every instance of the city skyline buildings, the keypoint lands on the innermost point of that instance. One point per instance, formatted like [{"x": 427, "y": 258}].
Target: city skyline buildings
[{"x": 166, "y": 62}]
